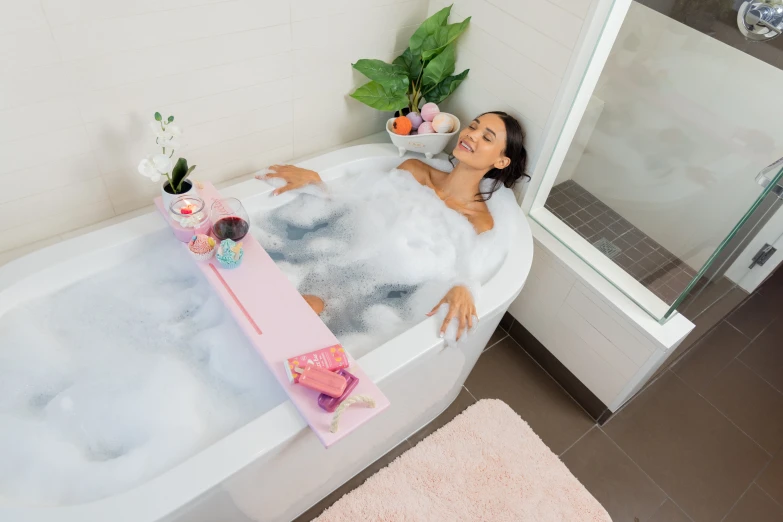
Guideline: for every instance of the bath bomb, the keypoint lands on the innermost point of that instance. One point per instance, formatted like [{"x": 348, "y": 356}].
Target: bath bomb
[
  {"x": 426, "y": 128},
  {"x": 429, "y": 111},
  {"x": 229, "y": 254},
  {"x": 415, "y": 118},
  {"x": 443, "y": 123},
  {"x": 402, "y": 126},
  {"x": 202, "y": 247}
]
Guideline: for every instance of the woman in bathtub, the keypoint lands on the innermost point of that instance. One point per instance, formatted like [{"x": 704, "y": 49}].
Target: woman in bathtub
[{"x": 491, "y": 155}]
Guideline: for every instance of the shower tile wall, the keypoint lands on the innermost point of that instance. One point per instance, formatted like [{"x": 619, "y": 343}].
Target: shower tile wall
[{"x": 643, "y": 258}]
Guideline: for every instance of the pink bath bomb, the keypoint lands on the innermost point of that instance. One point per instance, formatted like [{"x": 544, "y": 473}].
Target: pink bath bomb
[
  {"x": 443, "y": 123},
  {"x": 426, "y": 128},
  {"x": 429, "y": 111},
  {"x": 415, "y": 118}
]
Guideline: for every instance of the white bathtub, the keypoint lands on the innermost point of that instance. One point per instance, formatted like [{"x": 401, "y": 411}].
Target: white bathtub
[{"x": 273, "y": 468}]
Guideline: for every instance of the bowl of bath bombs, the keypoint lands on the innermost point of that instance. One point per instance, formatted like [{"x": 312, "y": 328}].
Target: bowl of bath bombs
[
  {"x": 426, "y": 138},
  {"x": 229, "y": 253},
  {"x": 202, "y": 247}
]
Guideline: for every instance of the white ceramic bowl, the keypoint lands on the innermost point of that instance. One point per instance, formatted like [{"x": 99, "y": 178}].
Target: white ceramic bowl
[{"x": 427, "y": 144}]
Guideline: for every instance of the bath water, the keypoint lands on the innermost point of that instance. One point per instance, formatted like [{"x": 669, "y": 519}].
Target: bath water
[{"x": 119, "y": 377}]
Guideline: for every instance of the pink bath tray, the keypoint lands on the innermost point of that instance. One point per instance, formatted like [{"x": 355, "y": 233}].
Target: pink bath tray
[{"x": 280, "y": 324}]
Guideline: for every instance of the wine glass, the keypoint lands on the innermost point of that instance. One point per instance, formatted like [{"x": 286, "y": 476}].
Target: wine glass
[{"x": 229, "y": 219}]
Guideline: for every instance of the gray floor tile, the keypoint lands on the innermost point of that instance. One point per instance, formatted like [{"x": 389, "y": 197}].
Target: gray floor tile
[
  {"x": 669, "y": 512},
  {"x": 765, "y": 355},
  {"x": 755, "y": 314},
  {"x": 710, "y": 355},
  {"x": 612, "y": 478},
  {"x": 755, "y": 506},
  {"x": 497, "y": 335},
  {"x": 507, "y": 373},
  {"x": 750, "y": 403},
  {"x": 701, "y": 460},
  {"x": 771, "y": 480},
  {"x": 463, "y": 400},
  {"x": 354, "y": 483}
]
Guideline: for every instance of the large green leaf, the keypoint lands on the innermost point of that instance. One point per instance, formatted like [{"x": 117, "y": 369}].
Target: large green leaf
[
  {"x": 444, "y": 89},
  {"x": 392, "y": 76},
  {"x": 180, "y": 173},
  {"x": 376, "y": 96},
  {"x": 440, "y": 67},
  {"x": 412, "y": 64},
  {"x": 428, "y": 28},
  {"x": 433, "y": 45}
]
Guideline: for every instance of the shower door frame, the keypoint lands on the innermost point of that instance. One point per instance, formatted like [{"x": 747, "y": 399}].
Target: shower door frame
[{"x": 586, "y": 68}]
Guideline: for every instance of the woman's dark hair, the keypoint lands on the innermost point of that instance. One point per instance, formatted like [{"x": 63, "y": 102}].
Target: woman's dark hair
[{"x": 514, "y": 150}]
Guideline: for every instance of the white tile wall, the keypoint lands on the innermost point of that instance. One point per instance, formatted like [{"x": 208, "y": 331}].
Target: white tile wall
[
  {"x": 518, "y": 52},
  {"x": 252, "y": 82}
]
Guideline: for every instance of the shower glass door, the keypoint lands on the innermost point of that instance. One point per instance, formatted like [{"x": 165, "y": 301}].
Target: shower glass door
[{"x": 657, "y": 187}]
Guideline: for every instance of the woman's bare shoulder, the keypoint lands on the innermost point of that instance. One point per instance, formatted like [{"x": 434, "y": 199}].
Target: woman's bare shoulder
[{"x": 420, "y": 170}]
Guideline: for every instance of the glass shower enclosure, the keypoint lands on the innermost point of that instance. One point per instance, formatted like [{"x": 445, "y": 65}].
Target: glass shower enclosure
[{"x": 655, "y": 185}]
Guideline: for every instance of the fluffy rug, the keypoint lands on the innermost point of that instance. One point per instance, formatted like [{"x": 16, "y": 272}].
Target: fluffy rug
[{"x": 486, "y": 464}]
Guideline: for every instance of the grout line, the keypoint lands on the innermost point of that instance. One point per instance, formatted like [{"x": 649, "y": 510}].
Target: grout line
[
  {"x": 726, "y": 320},
  {"x": 644, "y": 473},
  {"x": 583, "y": 435},
  {"x": 496, "y": 342},
  {"x": 467, "y": 390},
  {"x": 764, "y": 490},
  {"x": 753, "y": 339},
  {"x": 740, "y": 361},
  {"x": 721, "y": 413},
  {"x": 646, "y": 387},
  {"x": 553, "y": 379},
  {"x": 752, "y": 482}
]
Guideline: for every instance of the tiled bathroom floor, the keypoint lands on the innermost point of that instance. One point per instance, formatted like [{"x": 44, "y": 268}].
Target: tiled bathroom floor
[
  {"x": 703, "y": 443},
  {"x": 647, "y": 261}
]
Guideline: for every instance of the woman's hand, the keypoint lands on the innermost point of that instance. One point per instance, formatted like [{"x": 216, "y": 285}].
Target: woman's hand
[
  {"x": 461, "y": 306},
  {"x": 294, "y": 177}
]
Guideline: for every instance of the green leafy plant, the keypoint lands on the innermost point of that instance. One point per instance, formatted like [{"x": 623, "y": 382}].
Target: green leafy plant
[{"x": 425, "y": 71}]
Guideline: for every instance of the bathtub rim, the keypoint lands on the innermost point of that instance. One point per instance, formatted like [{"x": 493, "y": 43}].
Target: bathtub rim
[{"x": 171, "y": 490}]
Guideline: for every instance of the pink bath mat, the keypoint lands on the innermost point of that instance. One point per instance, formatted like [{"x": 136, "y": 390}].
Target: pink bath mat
[{"x": 486, "y": 464}]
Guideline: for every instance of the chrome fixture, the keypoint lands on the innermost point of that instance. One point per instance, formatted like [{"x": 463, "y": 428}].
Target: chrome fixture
[
  {"x": 767, "y": 174},
  {"x": 760, "y": 21}
]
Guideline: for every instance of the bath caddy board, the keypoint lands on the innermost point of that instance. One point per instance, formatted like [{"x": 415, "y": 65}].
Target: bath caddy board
[{"x": 280, "y": 325}]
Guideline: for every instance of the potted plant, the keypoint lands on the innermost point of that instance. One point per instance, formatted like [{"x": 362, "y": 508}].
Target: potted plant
[
  {"x": 157, "y": 166},
  {"x": 424, "y": 72}
]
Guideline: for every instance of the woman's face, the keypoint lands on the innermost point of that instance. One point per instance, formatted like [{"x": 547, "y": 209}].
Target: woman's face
[{"x": 481, "y": 143}]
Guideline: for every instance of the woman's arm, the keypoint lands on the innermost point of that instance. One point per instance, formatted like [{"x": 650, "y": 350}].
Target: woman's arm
[
  {"x": 294, "y": 177},
  {"x": 461, "y": 307}
]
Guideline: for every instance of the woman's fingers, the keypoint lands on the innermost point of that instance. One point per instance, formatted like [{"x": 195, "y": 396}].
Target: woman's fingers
[
  {"x": 449, "y": 317},
  {"x": 461, "y": 326},
  {"x": 285, "y": 188},
  {"x": 470, "y": 322},
  {"x": 432, "y": 312}
]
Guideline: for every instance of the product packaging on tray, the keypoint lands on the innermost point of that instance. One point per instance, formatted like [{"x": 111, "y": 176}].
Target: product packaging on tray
[{"x": 280, "y": 324}]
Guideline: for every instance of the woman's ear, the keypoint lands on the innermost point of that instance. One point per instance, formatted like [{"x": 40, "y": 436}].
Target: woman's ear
[{"x": 502, "y": 163}]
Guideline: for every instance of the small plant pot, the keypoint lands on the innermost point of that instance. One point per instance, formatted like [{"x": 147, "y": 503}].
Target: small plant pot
[
  {"x": 427, "y": 144},
  {"x": 168, "y": 195}
]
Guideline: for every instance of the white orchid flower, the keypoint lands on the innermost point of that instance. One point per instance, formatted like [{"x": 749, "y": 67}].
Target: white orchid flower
[
  {"x": 162, "y": 163},
  {"x": 168, "y": 143},
  {"x": 167, "y": 132},
  {"x": 148, "y": 170}
]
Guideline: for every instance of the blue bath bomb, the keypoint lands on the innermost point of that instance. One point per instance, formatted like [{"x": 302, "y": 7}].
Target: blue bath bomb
[{"x": 415, "y": 118}]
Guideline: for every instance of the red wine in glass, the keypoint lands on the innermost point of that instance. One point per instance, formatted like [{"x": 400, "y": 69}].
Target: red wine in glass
[
  {"x": 232, "y": 227},
  {"x": 229, "y": 219}
]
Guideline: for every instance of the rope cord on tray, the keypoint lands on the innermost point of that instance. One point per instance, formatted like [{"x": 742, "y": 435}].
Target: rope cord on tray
[{"x": 353, "y": 399}]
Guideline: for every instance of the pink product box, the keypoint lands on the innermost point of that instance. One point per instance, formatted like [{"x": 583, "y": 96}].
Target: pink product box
[{"x": 332, "y": 358}]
